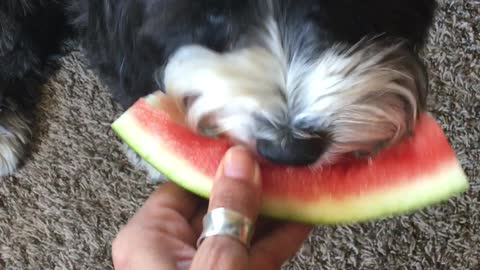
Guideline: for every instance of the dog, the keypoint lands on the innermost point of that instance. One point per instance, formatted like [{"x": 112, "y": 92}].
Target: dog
[{"x": 300, "y": 83}]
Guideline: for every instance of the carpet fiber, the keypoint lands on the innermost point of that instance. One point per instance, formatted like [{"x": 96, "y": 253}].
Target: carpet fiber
[{"x": 63, "y": 208}]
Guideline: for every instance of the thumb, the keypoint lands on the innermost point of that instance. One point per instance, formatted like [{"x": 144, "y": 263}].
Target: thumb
[{"x": 237, "y": 187}]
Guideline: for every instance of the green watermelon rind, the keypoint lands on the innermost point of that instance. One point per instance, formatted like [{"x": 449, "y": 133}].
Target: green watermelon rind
[{"x": 437, "y": 187}]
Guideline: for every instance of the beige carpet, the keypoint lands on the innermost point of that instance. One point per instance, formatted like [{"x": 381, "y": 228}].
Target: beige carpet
[{"x": 62, "y": 209}]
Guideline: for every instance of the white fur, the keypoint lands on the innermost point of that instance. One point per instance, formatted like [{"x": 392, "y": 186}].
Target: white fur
[
  {"x": 232, "y": 87},
  {"x": 353, "y": 94},
  {"x": 14, "y": 136},
  {"x": 357, "y": 97}
]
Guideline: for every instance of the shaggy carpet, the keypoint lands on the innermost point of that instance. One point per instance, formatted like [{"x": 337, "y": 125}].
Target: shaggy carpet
[{"x": 65, "y": 205}]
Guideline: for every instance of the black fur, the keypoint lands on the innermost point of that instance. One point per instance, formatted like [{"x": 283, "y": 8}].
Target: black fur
[
  {"x": 32, "y": 32},
  {"x": 31, "y": 35},
  {"x": 129, "y": 40}
]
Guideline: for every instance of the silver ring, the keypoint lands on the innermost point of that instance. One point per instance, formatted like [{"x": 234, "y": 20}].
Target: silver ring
[{"x": 223, "y": 221}]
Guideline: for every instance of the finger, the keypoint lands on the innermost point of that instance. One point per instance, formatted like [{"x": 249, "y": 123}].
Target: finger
[
  {"x": 158, "y": 236},
  {"x": 130, "y": 251},
  {"x": 173, "y": 197},
  {"x": 272, "y": 251},
  {"x": 168, "y": 210},
  {"x": 237, "y": 187}
]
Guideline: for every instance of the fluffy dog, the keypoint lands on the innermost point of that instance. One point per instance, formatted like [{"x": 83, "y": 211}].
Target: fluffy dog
[{"x": 298, "y": 82}]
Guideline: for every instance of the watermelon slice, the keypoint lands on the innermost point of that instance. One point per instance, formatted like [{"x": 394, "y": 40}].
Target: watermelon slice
[{"x": 420, "y": 171}]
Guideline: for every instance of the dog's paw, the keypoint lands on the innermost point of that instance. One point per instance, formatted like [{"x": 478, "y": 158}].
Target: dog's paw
[
  {"x": 14, "y": 137},
  {"x": 153, "y": 175}
]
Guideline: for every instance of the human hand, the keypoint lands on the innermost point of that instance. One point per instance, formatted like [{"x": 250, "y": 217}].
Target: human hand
[{"x": 163, "y": 233}]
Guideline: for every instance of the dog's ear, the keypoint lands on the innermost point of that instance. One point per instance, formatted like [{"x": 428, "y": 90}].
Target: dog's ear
[
  {"x": 410, "y": 63},
  {"x": 405, "y": 58}
]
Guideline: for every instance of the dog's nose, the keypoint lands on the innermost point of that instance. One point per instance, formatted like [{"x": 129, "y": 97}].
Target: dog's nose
[{"x": 292, "y": 151}]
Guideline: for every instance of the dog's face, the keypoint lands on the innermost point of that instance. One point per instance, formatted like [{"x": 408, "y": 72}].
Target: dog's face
[{"x": 281, "y": 78}]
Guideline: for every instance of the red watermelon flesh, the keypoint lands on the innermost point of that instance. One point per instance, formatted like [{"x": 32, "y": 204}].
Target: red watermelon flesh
[{"x": 418, "y": 172}]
